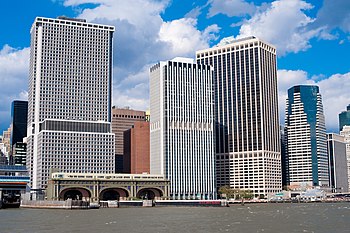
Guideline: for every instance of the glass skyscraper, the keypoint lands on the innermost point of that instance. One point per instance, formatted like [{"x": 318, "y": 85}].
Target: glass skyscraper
[
  {"x": 344, "y": 118},
  {"x": 19, "y": 113},
  {"x": 306, "y": 139},
  {"x": 69, "y": 98},
  {"x": 247, "y": 135}
]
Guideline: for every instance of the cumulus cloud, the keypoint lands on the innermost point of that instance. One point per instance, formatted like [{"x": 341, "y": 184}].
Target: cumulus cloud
[
  {"x": 143, "y": 38},
  {"x": 184, "y": 37},
  {"x": 334, "y": 14},
  {"x": 230, "y": 8},
  {"x": 284, "y": 24},
  {"x": 14, "y": 66},
  {"x": 334, "y": 91}
]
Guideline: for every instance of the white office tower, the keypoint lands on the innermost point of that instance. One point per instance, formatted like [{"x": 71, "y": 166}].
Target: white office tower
[
  {"x": 346, "y": 133},
  {"x": 182, "y": 145},
  {"x": 338, "y": 168},
  {"x": 246, "y": 115},
  {"x": 306, "y": 139},
  {"x": 69, "y": 98}
]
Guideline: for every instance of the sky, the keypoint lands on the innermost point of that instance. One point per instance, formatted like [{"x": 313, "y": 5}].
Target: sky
[{"x": 312, "y": 39}]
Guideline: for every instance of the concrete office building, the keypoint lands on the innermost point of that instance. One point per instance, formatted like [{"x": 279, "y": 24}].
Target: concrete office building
[
  {"x": 181, "y": 126},
  {"x": 19, "y": 154},
  {"x": 306, "y": 138},
  {"x": 69, "y": 99},
  {"x": 122, "y": 120},
  {"x": 19, "y": 113},
  {"x": 6, "y": 141},
  {"x": 346, "y": 134},
  {"x": 338, "y": 169},
  {"x": 344, "y": 118},
  {"x": 246, "y": 114},
  {"x": 137, "y": 148}
]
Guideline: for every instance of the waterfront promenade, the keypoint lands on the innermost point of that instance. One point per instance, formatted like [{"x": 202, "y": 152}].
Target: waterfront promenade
[{"x": 281, "y": 217}]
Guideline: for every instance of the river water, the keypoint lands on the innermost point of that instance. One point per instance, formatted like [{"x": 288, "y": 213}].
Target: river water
[{"x": 309, "y": 217}]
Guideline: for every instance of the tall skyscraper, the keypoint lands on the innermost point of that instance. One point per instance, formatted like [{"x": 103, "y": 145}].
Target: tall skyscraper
[
  {"x": 344, "y": 118},
  {"x": 306, "y": 138},
  {"x": 338, "y": 169},
  {"x": 181, "y": 127},
  {"x": 19, "y": 113},
  {"x": 346, "y": 133},
  {"x": 122, "y": 120},
  {"x": 246, "y": 114},
  {"x": 69, "y": 98}
]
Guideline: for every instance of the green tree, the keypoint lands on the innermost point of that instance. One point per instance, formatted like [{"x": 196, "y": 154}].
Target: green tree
[{"x": 226, "y": 191}]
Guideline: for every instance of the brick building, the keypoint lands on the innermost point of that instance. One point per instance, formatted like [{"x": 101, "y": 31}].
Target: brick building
[{"x": 137, "y": 149}]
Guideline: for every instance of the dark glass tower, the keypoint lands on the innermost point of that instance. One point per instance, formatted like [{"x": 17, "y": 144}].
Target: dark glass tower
[
  {"x": 344, "y": 118},
  {"x": 306, "y": 142},
  {"x": 19, "y": 113}
]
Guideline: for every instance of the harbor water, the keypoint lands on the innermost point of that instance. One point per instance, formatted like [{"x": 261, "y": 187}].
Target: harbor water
[{"x": 279, "y": 217}]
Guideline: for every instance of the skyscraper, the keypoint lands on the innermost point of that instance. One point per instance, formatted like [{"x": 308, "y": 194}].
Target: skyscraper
[
  {"x": 338, "y": 169},
  {"x": 181, "y": 127},
  {"x": 246, "y": 114},
  {"x": 346, "y": 133},
  {"x": 69, "y": 98},
  {"x": 344, "y": 118},
  {"x": 306, "y": 138},
  {"x": 19, "y": 113}
]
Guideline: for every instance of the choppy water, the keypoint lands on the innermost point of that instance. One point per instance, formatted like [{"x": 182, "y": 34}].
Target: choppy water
[{"x": 318, "y": 217}]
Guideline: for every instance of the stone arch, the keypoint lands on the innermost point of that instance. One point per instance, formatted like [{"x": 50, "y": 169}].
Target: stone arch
[
  {"x": 150, "y": 193},
  {"x": 107, "y": 194},
  {"x": 75, "y": 193}
]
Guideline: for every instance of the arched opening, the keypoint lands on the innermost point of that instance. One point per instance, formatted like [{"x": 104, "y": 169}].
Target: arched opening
[
  {"x": 149, "y": 194},
  {"x": 75, "y": 194},
  {"x": 113, "y": 194}
]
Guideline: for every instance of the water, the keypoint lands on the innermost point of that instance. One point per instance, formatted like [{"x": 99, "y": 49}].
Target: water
[{"x": 317, "y": 217}]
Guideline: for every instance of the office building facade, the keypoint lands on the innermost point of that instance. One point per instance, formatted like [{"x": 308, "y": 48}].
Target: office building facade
[
  {"x": 246, "y": 114},
  {"x": 137, "y": 149},
  {"x": 344, "y": 118},
  {"x": 182, "y": 128},
  {"x": 306, "y": 138},
  {"x": 346, "y": 134},
  {"x": 19, "y": 154},
  {"x": 122, "y": 120},
  {"x": 338, "y": 169},
  {"x": 6, "y": 140},
  {"x": 69, "y": 99},
  {"x": 19, "y": 113}
]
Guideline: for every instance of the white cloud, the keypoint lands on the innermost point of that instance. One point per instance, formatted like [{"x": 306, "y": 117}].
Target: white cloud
[
  {"x": 230, "y": 8},
  {"x": 14, "y": 66},
  {"x": 184, "y": 37},
  {"x": 336, "y": 96},
  {"x": 142, "y": 37},
  {"x": 334, "y": 90},
  {"x": 283, "y": 24}
]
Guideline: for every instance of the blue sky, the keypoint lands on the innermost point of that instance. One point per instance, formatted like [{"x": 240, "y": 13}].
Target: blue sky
[{"x": 312, "y": 40}]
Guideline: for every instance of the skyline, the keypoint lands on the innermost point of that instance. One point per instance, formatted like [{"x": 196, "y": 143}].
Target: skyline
[{"x": 312, "y": 42}]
